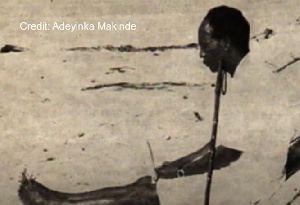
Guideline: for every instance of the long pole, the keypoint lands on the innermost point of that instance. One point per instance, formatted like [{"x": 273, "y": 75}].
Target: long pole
[{"x": 218, "y": 89}]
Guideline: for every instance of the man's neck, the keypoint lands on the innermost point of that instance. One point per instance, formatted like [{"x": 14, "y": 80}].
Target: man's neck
[{"x": 231, "y": 61}]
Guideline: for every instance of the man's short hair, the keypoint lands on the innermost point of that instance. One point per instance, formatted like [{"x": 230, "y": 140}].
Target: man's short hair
[{"x": 230, "y": 24}]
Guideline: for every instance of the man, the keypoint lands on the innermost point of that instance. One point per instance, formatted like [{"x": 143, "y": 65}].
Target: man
[{"x": 223, "y": 38}]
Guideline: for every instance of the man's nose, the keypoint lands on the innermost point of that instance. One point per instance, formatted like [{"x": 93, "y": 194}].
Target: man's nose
[{"x": 202, "y": 54}]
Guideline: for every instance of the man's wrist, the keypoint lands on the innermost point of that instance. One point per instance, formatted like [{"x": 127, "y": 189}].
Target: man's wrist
[{"x": 180, "y": 173}]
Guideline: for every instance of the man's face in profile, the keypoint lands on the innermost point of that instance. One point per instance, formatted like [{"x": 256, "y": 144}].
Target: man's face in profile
[{"x": 211, "y": 50}]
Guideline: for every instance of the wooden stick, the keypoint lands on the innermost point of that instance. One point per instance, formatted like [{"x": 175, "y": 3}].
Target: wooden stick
[
  {"x": 143, "y": 86},
  {"x": 218, "y": 89},
  {"x": 154, "y": 174},
  {"x": 286, "y": 65}
]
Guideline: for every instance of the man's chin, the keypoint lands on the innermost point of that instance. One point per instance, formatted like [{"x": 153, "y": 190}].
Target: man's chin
[{"x": 212, "y": 65}]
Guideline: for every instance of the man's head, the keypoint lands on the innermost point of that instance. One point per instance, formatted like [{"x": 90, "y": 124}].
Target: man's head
[{"x": 223, "y": 36}]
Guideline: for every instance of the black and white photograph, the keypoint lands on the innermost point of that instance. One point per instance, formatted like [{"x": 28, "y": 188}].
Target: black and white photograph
[{"x": 175, "y": 102}]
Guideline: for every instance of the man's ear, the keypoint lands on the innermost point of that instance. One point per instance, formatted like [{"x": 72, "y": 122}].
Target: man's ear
[{"x": 225, "y": 43}]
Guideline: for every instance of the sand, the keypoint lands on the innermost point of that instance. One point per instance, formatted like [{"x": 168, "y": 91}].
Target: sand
[{"x": 74, "y": 141}]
